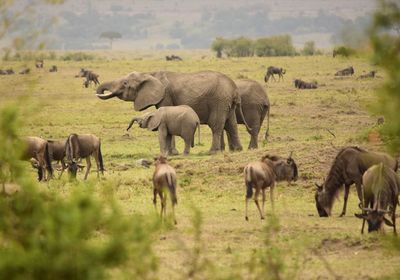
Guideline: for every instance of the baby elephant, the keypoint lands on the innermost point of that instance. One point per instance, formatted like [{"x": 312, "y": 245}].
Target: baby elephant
[
  {"x": 171, "y": 120},
  {"x": 164, "y": 177}
]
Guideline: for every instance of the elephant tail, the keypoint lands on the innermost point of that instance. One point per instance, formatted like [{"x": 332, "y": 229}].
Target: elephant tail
[
  {"x": 101, "y": 160},
  {"x": 267, "y": 132},
  {"x": 244, "y": 120}
]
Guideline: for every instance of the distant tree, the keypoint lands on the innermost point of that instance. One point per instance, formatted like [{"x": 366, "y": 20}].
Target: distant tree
[
  {"x": 309, "y": 48},
  {"x": 111, "y": 35},
  {"x": 218, "y": 46}
]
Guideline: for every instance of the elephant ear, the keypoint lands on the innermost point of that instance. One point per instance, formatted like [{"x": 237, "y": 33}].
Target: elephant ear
[
  {"x": 150, "y": 92},
  {"x": 152, "y": 121}
]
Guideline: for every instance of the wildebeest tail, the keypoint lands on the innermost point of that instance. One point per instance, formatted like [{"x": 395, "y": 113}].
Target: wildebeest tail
[
  {"x": 48, "y": 160},
  {"x": 101, "y": 160},
  {"x": 171, "y": 188},
  {"x": 249, "y": 188},
  {"x": 71, "y": 147}
]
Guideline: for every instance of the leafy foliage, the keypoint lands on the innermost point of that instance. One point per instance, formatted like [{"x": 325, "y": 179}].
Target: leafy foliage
[
  {"x": 385, "y": 39},
  {"x": 46, "y": 236},
  {"x": 243, "y": 47}
]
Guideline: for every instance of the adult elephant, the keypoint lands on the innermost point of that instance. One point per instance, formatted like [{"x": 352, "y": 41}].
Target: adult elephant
[
  {"x": 255, "y": 106},
  {"x": 212, "y": 95}
]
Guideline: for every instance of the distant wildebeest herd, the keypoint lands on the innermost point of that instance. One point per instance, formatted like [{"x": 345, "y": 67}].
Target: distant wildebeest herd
[{"x": 184, "y": 101}]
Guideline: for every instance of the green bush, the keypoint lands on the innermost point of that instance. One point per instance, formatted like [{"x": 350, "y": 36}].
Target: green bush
[
  {"x": 344, "y": 51},
  {"x": 309, "y": 48},
  {"x": 244, "y": 47},
  {"x": 275, "y": 46},
  {"x": 77, "y": 56},
  {"x": 46, "y": 236}
]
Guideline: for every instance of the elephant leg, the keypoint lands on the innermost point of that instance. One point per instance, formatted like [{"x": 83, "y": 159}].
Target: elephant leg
[
  {"x": 232, "y": 132},
  {"x": 254, "y": 138},
  {"x": 162, "y": 139},
  {"x": 188, "y": 143},
  {"x": 172, "y": 148},
  {"x": 222, "y": 141}
]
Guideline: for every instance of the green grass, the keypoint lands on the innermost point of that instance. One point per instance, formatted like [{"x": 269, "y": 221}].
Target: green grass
[{"x": 300, "y": 119}]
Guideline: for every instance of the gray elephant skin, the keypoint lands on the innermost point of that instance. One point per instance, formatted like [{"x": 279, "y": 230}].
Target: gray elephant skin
[
  {"x": 171, "y": 120},
  {"x": 255, "y": 106},
  {"x": 212, "y": 95}
]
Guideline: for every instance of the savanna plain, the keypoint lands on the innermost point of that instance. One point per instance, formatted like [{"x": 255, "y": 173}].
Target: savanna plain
[{"x": 313, "y": 124}]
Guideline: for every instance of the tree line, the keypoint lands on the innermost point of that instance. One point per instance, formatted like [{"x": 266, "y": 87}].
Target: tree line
[{"x": 280, "y": 45}]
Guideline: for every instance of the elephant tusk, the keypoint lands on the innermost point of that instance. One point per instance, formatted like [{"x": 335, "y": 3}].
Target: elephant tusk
[{"x": 106, "y": 96}]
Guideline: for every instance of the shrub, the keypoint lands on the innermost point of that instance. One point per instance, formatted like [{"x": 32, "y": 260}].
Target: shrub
[
  {"x": 309, "y": 48},
  {"x": 77, "y": 56},
  {"x": 343, "y": 51}
]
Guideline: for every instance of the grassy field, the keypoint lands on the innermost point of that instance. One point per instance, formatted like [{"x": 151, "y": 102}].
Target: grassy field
[{"x": 301, "y": 121}]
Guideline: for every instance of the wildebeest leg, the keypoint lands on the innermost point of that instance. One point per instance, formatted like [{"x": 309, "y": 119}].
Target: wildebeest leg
[
  {"x": 88, "y": 165},
  {"x": 160, "y": 193},
  {"x": 263, "y": 200},
  {"x": 394, "y": 220},
  {"x": 273, "y": 77},
  {"x": 96, "y": 158},
  {"x": 346, "y": 196},
  {"x": 155, "y": 198},
  {"x": 63, "y": 167},
  {"x": 247, "y": 204},
  {"x": 271, "y": 196},
  {"x": 258, "y": 205}
]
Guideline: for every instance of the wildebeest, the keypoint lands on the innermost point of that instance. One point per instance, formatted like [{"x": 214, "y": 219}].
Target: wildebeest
[
  {"x": 173, "y": 57},
  {"x": 304, "y": 85},
  {"x": 3, "y": 72},
  {"x": 345, "y": 72},
  {"x": 37, "y": 148},
  {"x": 25, "y": 71},
  {"x": 263, "y": 174},
  {"x": 83, "y": 146},
  {"x": 53, "y": 68},
  {"x": 271, "y": 71},
  {"x": 370, "y": 74},
  {"x": 10, "y": 71},
  {"x": 39, "y": 63},
  {"x": 381, "y": 195},
  {"x": 90, "y": 77},
  {"x": 347, "y": 169},
  {"x": 164, "y": 177},
  {"x": 57, "y": 153}
]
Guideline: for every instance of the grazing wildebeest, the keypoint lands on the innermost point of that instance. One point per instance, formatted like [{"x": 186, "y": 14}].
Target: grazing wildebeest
[
  {"x": 304, "y": 85},
  {"x": 271, "y": 71},
  {"x": 25, "y": 71},
  {"x": 263, "y": 174},
  {"x": 370, "y": 74},
  {"x": 345, "y": 72},
  {"x": 10, "y": 71},
  {"x": 255, "y": 106},
  {"x": 83, "y": 146},
  {"x": 164, "y": 177},
  {"x": 37, "y": 148},
  {"x": 53, "y": 68},
  {"x": 173, "y": 57},
  {"x": 3, "y": 72},
  {"x": 347, "y": 169},
  {"x": 90, "y": 77},
  {"x": 381, "y": 195},
  {"x": 39, "y": 63},
  {"x": 57, "y": 153}
]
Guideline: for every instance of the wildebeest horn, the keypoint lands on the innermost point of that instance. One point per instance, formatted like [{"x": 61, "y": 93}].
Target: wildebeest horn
[
  {"x": 381, "y": 211},
  {"x": 319, "y": 187},
  {"x": 290, "y": 155}
]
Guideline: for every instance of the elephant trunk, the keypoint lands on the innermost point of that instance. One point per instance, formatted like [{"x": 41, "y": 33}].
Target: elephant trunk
[
  {"x": 136, "y": 119},
  {"x": 107, "y": 86}
]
